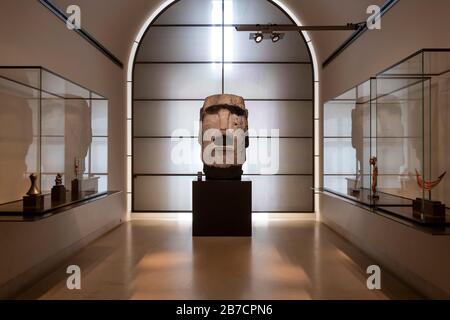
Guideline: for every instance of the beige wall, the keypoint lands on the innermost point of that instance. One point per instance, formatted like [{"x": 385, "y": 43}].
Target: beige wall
[
  {"x": 408, "y": 27},
  {"x": 31, "y": 35}
]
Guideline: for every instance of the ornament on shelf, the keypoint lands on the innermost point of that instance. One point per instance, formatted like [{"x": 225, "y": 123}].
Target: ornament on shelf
[
  {"x": 58, "y": 190},
  {"x": 427, "y": 209},
  {"x": 373, "y": 163},
  {"x": 76, "y": 183},
  {"x": 428, "y": 185},
  {"x": 33, "y": 200}
]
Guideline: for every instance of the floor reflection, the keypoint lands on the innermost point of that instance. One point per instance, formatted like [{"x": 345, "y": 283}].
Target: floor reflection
[{"x": 288, "y": 257}]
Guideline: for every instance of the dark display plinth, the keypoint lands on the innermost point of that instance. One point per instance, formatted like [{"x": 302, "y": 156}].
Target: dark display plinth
[
  {"x": 430, "y": 211},
  {"x": 33, "y": 202},
  {"x": 222, "y": 208},
  {"x": 76, "y": 188},
  {"x": 58, "y": 193}
]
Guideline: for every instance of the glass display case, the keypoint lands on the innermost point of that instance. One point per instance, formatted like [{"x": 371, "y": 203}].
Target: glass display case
[
  {"x": 49, "y": 124},
  {"x": 400, "y": 119}
]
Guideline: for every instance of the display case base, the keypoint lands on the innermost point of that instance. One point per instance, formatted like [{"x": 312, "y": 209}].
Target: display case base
[
  {"x": 222, "y": 208},
  {"x": 76, "y": 188},
  {"x": 58, "y": 194},
  {"x": 430, "y": 211},
  {"x": 33, "y": 203}
]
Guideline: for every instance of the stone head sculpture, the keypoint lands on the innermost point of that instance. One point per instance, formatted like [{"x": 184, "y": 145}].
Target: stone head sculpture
[{"x": 223, "y": 136}]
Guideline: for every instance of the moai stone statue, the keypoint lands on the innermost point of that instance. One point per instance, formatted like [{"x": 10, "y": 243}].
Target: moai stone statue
[{"x": 223, "y": 136}]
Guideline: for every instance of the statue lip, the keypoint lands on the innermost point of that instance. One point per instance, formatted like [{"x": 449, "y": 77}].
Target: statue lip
[{"x": 223, "y": 149}]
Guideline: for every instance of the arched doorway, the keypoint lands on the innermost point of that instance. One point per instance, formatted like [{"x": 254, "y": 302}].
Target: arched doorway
[{"x": 190, "y": 50}]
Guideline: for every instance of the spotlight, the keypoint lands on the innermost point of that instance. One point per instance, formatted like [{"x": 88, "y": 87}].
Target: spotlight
[
  {"x": 258, "y": 37},
  {"x": 275, "y": 37}
]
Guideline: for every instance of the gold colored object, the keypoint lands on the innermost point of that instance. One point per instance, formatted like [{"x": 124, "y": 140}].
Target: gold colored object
[{"x": 34, "y": 189}]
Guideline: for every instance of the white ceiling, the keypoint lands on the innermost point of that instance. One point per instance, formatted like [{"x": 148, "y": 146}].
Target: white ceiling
[{"x": 115, "y": 23}]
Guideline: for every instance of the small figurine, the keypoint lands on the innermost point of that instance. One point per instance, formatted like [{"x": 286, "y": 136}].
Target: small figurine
[
  {"x": 427, "y": 209},
  {"x": 58, "y": 190},
  {"x": 33, "y": 200},
  {"x": 34, "y": 189},
  {"x": 76, "y": 183},
  {"x": 373, "y": 163},
  {"x": 77, "y": 168},
  {"x": 58, "y": 180},
  {"x": 428, "y": 185}
]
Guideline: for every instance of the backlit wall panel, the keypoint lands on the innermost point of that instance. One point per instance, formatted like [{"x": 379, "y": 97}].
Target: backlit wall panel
[{"x": 192, "y": 51}]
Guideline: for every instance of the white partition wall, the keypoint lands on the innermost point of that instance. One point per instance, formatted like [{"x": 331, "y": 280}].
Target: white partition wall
[{"x": 192, "y": 50}]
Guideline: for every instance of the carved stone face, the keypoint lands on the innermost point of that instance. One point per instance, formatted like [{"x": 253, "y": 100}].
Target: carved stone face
[{"x": 223, "y": 136}]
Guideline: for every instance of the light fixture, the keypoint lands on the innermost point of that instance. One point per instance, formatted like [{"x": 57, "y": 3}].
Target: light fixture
[
  {"x": 275, "y": 37},
  {"x": 260, "y": 32},
  {"x": 270, "y": 28},
  {"x": 258, "y": 37}
]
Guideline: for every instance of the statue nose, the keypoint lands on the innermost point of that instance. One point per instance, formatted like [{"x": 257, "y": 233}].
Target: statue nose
[{"x": 224, "y": 117}]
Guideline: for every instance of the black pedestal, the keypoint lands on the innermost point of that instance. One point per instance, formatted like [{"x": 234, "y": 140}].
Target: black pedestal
[
  {"x": 222, "y": 208},
  {"x": 58, "y": 193},
  {"x": 76, "y": 188},
  {"x": 429, "y": 211},
  {"x": 33, "y": 203}
]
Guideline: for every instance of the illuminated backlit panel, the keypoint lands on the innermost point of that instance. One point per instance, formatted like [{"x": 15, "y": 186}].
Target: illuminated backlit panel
[{"x": 190, "y": 52}]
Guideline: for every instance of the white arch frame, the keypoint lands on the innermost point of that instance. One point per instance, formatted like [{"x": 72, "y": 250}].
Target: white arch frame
[{"x": 129, "y": 83}]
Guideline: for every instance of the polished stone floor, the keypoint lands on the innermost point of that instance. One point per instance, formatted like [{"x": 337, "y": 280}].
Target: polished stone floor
[{"x": 288, "y": 257}]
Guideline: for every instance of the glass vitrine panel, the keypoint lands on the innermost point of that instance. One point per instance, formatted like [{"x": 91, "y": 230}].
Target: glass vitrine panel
[
  {"x": 47, "y": 123},
  {"x": 348, "y": 146},
  {"x": 19, "y": 134},
  {"x": 99, "y": 115},
  {"x": 404, "y": 123}
]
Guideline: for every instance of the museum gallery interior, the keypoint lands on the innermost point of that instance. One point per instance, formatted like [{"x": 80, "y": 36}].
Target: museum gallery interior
[{"x": 224, "y": 149}]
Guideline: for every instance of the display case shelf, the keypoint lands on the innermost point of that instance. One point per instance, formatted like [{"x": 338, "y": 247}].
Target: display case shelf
[{"x": 15, "y": 212}]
